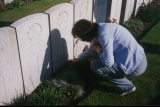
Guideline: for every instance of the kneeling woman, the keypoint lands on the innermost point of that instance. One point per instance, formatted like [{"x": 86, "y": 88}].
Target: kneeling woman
[{"x": 116, "y": 53}]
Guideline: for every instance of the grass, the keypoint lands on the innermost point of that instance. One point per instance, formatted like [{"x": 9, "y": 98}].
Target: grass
[
  {"x": 102, "y": 94},
  {"x": 8, "y": 17},
  {"x": 148, "y": 84}
]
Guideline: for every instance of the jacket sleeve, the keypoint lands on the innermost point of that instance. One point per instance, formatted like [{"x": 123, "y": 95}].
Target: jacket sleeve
[
  {"x": 106, "y": 53},
  {"x": 87, "y": 52}
]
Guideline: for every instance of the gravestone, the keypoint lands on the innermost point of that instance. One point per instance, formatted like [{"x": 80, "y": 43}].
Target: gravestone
[
  {"x": 61, "y": 22},
  {"x": 128, "y": 9},
  {"x": 138, "y": 4},
  {"x": 34, "y": 46},
  {"x": 7, "y": 1},
  {"x": 100, "y": 11},
  {"x": 82, "y": 10},
  {"x": 116, "y": 10},
  {"x": 147, "y": 1},
  {"x": 11, "y": 84}
]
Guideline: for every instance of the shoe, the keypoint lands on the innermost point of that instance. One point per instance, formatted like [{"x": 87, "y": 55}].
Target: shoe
[{"x": 132, "y": 90}]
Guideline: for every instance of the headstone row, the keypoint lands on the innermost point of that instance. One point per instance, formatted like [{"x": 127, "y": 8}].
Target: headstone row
[{"x": 33, "y": 48}]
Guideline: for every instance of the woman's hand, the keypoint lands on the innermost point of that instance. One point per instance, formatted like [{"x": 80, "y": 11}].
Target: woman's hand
[{"x": 97, "y": 48}]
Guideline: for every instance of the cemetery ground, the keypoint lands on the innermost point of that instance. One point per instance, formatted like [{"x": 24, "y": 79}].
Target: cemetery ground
[{"x": 102, "y": 92}]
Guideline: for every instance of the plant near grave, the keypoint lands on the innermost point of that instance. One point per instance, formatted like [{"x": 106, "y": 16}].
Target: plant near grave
[
  {"x": 47, "y": 94},
  {"x": 148, "y": 13},
  {"x": 68, "y": 93},
  {"x": 156, "y": 4},
  {"x": 18, "y": 3},
  {"x": 14, "y": 4},
  {"x": 135, "y": 24}
]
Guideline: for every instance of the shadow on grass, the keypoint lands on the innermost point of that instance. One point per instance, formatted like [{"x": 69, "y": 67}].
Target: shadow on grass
[
  {"x": 147, "y": 29},
  {"x": 106, "y": 88},
  {"x": 96, "y": 86},
  {"x": 5, "y": 24},
  {"x": 156, "y": 100},
  {"x": 150, "y": 48}
]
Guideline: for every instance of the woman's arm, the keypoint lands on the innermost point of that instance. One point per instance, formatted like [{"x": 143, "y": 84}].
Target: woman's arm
[{"x": 87, "y": 52}]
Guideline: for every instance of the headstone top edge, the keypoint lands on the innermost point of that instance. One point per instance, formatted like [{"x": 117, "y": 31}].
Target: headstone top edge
[
  {"x": 22, "y": 20},
  {"x": 56, "y": 7}
]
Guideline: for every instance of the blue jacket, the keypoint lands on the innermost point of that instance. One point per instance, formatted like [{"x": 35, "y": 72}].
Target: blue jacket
[{"x": 118, "y": 45}]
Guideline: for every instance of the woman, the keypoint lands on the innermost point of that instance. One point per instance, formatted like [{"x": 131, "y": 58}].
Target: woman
[{"x": 116, "y": 53}]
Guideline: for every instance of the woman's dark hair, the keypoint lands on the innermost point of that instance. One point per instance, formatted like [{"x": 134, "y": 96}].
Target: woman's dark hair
[{"x": 85, "y": 30}]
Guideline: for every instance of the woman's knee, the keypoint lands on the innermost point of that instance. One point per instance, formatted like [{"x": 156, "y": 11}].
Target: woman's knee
[
  {"x": 96, "y": 65},
  {"x": 99, "y": 68},
  {"x": 93, "y": 64}
]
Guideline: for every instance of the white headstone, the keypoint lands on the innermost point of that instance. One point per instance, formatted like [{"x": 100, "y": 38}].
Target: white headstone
[
  {"x": 116, "y": 10},
  {"x": 83, "y": 9},
  {"x": 146, "y": 1},
  {"x": 11, "y": 84},
  {"x": 100, "y": 11},
  {"x": 61, "y": 22},
  {"x": 128, "y": 9},
  {"x": 138, "y": 4},
  {"x": 7, "y": 1},
  {"x": 34, "y": 46}
]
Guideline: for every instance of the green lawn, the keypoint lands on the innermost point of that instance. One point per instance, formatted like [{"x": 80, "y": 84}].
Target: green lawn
[{"x": 8, "y": 17}]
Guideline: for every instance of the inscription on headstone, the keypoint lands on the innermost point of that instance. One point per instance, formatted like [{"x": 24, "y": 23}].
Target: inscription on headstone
[
  {"x": 34, "y": 46},
  {"x": 83, "y": 9},
  {"x": 34, "y": 31},
  {"x": 61, "y": 22},
  {"x": 62, "y": 19}
]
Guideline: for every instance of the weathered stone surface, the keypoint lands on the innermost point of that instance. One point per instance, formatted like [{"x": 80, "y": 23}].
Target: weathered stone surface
[
  {"x": 82, "y": 10},
  {"x": 116, "y": 10},
  {"x": 34, "y": 46},
  {"x": 61, "y": 22},
  {"x": 129, "y": 9},
  {"x": 11, "y": 84}
]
